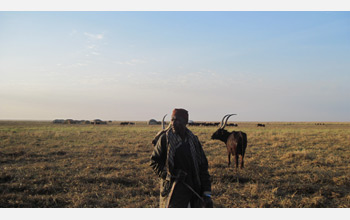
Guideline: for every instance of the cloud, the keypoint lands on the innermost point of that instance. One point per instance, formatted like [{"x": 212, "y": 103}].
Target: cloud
[
  {"x": 94, "y": 36},
  {"x": 95, "y": 53},
  {"x": 91, "y": 46},
  {"x": 131, "y": 62}
]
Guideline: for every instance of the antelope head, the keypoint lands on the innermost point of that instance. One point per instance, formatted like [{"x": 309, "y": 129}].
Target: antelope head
[{"x": 221, "y": 132}]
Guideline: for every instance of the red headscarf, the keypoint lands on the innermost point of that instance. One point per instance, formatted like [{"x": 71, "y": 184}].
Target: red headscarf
[{"x": 180, "y": 112}]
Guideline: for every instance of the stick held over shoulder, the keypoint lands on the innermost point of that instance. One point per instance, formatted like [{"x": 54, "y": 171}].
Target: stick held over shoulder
[{"x": 155, "y": 139}]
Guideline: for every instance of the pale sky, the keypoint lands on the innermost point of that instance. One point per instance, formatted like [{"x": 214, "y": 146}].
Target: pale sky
[{"x": 263, "y": 66}]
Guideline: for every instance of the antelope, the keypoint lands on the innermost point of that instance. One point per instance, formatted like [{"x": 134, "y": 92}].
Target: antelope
[{"x": 236, "y": 141}]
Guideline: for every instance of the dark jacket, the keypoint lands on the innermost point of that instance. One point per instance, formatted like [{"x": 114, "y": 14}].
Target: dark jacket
[{"x": 165, "y": 169}]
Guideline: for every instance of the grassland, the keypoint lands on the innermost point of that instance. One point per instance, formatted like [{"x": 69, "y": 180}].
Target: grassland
[{"x": 286, "y": 165}]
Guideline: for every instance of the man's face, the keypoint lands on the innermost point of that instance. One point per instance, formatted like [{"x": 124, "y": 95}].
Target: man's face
[{"x": 178, "y": 124}]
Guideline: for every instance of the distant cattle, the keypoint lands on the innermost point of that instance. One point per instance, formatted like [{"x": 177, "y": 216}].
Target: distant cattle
[
  {"x": 58, "y": 121},
  {"x": 203, "y": 123},
  {"x": 98, "y": 122},
  {"x": 127, "y": 123},
  {"x": 260, "y": 125},
  {"x": 232, "y": 125},
  {"x": 79, "y": 122},
  {"x": 69, "y": 121},
  {"x": 192, "y": 123}
]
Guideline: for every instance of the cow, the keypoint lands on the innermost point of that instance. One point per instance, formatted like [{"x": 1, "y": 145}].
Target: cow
[
  {"x": 127, "y": 123},
  {"x": 236, "y": 141},
  {"x": 260, "y": 125},
  {"x": 232, "y": 125}
]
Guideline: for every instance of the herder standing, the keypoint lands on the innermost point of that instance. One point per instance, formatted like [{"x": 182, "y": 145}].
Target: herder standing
[{"x": 179, "y": 160}]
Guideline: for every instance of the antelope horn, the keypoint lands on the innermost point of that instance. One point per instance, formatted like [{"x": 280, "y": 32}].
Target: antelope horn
[
  {"x": 163, "y": 125},
  {"x": 222, "y": 121},
  {"x": 228, "y": 116}
]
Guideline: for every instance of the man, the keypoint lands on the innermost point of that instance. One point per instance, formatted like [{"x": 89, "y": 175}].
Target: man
[{"x": 179, "y": 160}]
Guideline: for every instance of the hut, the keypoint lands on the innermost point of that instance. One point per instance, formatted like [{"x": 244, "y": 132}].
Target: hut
[{"x": 153, "y": 122}]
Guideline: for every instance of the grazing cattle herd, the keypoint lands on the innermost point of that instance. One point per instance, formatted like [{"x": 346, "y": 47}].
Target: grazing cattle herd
[
  {"x": 150, "y": 122},
  {"x": 203, "y": 123},
  {"x": 232, "y": 125},
  {"x": 235, "y": 141},
  {"x": 85, "y": 122},
  {"x": 210, "y": 124},
  {"x": 127, "y": 123}
]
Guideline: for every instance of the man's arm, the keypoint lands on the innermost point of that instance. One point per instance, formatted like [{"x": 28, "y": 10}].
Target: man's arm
[{"x": 159, "y": 156}]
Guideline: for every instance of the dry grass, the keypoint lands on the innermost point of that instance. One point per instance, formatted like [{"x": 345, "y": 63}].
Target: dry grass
[{"x": 287, "y": 165}]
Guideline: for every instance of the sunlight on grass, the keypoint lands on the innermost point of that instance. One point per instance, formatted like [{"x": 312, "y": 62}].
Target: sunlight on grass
[{"x": 286, "y": 165}]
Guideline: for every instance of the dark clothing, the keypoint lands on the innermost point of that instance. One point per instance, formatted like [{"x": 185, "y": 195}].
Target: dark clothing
[
  {"x": 172, "y": 154},
  {"x": 182, "y": 195},
  {"x": 183, "y": 161}
]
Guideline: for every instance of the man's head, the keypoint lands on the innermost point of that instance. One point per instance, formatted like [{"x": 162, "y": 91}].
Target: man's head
[{"x": 179, "y": 119}]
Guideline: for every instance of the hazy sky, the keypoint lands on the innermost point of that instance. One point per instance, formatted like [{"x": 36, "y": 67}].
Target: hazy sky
[{"x": 263, "y": 66}]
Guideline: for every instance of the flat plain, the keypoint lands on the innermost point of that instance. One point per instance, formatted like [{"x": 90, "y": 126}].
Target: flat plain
[{"x": 287, "y": 164}]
